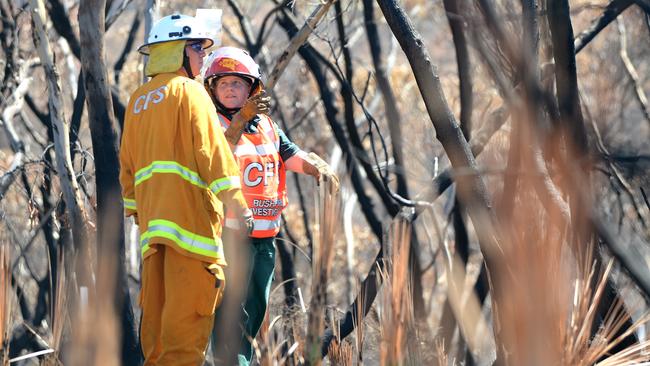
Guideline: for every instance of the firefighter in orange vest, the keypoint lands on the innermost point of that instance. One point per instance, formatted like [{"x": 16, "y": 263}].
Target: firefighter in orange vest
[
  {"x": 264, "y": 153},
  {"x": 177, "y": 172}
]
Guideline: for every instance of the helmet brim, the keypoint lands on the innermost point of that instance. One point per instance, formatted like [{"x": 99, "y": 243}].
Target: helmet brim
[
  {"x": 206, "y": 43},
  {"x": 249, "y": 78}
]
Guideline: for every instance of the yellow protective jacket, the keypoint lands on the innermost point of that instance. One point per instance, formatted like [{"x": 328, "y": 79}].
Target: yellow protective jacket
[{"x": 177, "y": 168}]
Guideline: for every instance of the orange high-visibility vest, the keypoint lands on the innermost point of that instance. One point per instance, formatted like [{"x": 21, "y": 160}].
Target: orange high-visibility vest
[{"x": 262, "y": 175}]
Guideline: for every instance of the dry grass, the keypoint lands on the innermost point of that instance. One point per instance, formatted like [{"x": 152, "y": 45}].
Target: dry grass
[
  {"x": 546, "y": 284},
  {"x": 359, "y": 327},
  {"x": 581, "y": 348},
  {"x": 5, "y": 302},
  {"x": 396, "y": 300},
  {"x": 340, "y": 353},
  {"x": 442, "y": 356},
  {"x": 269, "y": 348},
  {"x": 58, "y": 312},
  {"x": 328, "y": 209}
]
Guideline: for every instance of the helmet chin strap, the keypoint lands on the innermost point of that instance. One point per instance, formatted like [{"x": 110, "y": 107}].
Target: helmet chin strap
[
  {"x": 254, "y": 86},
  {"x": 228, "y": 112},
  {"x": 186, "y": 65}
]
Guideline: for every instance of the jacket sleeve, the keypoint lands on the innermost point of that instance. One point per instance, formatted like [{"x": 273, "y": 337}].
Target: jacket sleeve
[
  {"x": 215, "y": 162},
  {"x": 127, "y": 178}
]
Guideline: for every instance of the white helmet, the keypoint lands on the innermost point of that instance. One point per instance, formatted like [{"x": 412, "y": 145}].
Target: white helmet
[{"x": 177, "y": 27}]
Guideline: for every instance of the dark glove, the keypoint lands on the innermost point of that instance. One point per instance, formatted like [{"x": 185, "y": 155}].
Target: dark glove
[
  {"x": 259, "y": 103},
  {"x": 248, "y": 220}
]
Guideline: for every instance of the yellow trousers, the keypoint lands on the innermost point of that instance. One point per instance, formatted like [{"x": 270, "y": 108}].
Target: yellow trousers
[{"x": 178, "y": 297}]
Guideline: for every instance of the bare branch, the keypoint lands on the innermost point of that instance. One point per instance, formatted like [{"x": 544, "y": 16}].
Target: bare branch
[
  {"x": 61, "y": 22},
  {"x": 8, "y": 114},
  {"x": 18, "y": 97},
  {"x": 613, "y": 9},
  {"x": 70, "y": 66},
  {"x": 8, "y": 177},
  {"x": 263, "y": 35},
  {"x": 43, "y": 221},
  {"x": 115, "y": 12},
  {"x": 495, "y": 121},
  {"x": 9, "y": 41},
  {"x": 631, "y": 72},
  {"x": 645, "y": 198},
  {"x": 456, "y": 23},
  {"x": 245, "y": 26},
  {"x": 642, "y": 214},
  {"x": 128, "y": 45},
  {"x": 297, "y": 41},
  {"x": 388, "y": 97},
  {"x": 627, "y": 255}
]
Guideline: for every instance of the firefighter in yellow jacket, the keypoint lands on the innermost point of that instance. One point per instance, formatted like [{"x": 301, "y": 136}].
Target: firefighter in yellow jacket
[{"x": 177, "y": 172}]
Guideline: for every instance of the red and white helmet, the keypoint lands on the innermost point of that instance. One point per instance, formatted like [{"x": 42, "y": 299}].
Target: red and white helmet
[{"x": 231, "y": 61}]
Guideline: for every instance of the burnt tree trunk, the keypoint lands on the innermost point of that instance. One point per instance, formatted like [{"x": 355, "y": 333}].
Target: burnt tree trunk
[{"x": 110, "y": 222}]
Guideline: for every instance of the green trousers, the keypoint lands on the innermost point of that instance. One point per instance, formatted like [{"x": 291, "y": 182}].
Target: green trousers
[{"x": 253, "y": 302}]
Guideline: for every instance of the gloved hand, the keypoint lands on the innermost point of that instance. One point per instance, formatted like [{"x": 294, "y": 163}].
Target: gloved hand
[
  {"x": 323, "y": 171},
  {"x": 257, "y": 104},
  {"x": 248, "y": 221}
]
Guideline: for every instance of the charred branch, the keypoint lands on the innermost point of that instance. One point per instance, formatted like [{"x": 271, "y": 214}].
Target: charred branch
[
  {"x": 128, "y": 47},
  {"x": 632, "y": 73},
  {"x": 613, "y": 10}
]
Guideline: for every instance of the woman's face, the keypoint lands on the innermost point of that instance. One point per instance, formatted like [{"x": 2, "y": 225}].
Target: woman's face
[{"x": 232, "y": 91}]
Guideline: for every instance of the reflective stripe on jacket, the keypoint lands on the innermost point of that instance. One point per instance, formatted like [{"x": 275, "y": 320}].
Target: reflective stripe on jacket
[
  {"x": 177, "y": 170},
  {"x": 262, "y": 175}
]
